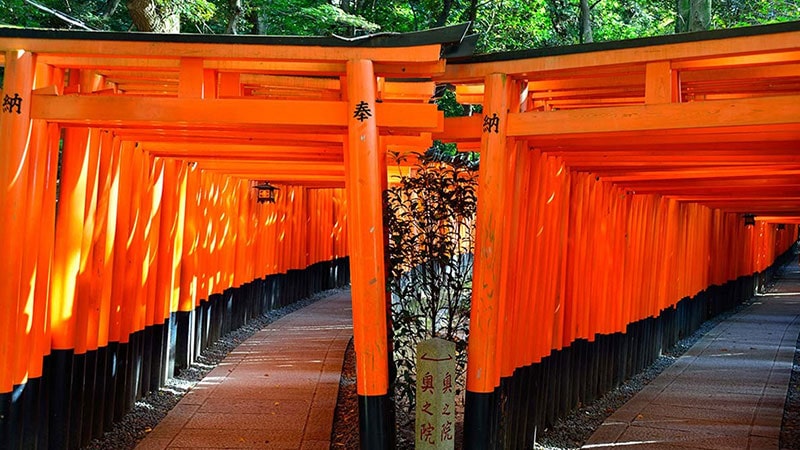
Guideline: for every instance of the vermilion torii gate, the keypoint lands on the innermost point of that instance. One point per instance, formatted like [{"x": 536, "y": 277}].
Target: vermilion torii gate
[
  {"x": 156, "y": 221},
  {"x": 613, "y": 183}
]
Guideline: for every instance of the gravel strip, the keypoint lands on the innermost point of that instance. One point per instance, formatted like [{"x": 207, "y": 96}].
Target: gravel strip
[
  {"x": 344, "y": 435},
  {"x": 152, "y": 408},
  {"x": 790, "y": 427}
]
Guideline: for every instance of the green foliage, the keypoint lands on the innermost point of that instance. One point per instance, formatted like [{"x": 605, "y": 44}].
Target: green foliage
[
  {"x": 192, "y": 10},
  {"x": 308, "y": 18},
  {"x": 430, "y": 220},
  {"x": 19, "y": 13},
  {"x": 740, "y": 13},
  {"x": 447, "y": 103},
  {"x": 515, "y": 24},
  {"x": 333, "y": 18},
  {"x": 616, "y": 19},
  {"x": 448, "y": 152},
  {"x": 503, "y": 24}
]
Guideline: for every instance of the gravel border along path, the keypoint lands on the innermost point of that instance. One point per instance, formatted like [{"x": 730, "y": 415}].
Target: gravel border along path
[{"x": 148, "y": 411}]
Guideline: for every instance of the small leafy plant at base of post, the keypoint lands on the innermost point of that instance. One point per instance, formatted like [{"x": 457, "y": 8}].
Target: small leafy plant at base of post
[{"x": 430, "y": 218}]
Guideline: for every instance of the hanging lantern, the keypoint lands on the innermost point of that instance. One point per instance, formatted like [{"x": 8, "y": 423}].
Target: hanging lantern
[
  {"x": 749, "y": 220},
  {"x": 266, "y": 192},
  {"x": 781, "y": 226}
]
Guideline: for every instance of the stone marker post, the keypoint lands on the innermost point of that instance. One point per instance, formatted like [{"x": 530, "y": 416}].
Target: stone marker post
[{"x": 436, "y": 416}]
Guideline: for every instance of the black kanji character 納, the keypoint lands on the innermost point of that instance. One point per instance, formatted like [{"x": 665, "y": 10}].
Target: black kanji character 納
[{"x": 9, "y": 103}]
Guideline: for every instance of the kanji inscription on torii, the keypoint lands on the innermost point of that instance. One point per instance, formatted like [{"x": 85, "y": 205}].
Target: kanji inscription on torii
[
  {"x": 491, "y": 122},
  {"x": 11, "y": 103},
  {"x": 362, "y": 111},
  {"x": 436, "y": 370}
]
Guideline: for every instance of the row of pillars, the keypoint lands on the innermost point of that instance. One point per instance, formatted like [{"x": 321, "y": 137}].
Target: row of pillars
[
  {"x": 564, "y": 257},
  {"x": 574, "y": 214},
  {"x": 104, "y": 243}
]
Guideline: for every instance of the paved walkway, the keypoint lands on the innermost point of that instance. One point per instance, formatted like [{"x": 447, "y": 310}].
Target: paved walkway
[
  {"x": 726, "y": 392},
  {"x": 277, "y": 390}
]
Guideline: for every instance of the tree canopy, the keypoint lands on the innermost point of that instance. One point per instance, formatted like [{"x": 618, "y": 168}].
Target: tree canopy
[{"x": 502, "y": 24}]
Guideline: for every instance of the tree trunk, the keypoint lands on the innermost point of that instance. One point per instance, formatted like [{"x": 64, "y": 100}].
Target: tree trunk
[
  {"x": 701, "y": 15},
  {"x": 586, "y": 22},
  {"x": 560, "y": 15},
  {"x": 237, "y": 10},
  {"x": 693, "y": 15},
  {"x": 111, "y": 6},
  {"x": 150, "y": 17},
  {"x": 446, "y": 7},
  {"x": 255, "y": 21},
  {"x": 472, "y": 13}
]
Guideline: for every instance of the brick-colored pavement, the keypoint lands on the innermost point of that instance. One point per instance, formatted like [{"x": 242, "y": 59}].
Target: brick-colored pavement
[
  {"x": 727, "y": 391},
  {"x": 277, "y": 390}
]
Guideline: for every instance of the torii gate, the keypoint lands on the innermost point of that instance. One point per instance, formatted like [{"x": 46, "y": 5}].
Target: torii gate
[
  {"x": 636, "y": 153},
  {"x": 310, "y": 112}
]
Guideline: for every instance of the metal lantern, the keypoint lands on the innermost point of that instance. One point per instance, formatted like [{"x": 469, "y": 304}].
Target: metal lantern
[
  {"x": 749, "y": 220},
  {"x": 266, "y": 192}
]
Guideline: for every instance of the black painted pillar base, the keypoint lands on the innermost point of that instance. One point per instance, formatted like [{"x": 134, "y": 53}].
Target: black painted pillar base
[
  {"x": 100, "y": 380},
  {"x": 375, "y": 428},
  {"x": 478, "y": 413},
  {"x": 5, "y": 420},
  {"x": 88, "y": 401},
  {"x": 60, "y": 398},
  {"x": 31, "y": 414},
  {"x": 76, "y": 406},
  {"x": 172, "y": 341},
  {"x": 184, "y": 339},
  {"x": 14, "y": 418},
  {"x": 112, "y": 379}
]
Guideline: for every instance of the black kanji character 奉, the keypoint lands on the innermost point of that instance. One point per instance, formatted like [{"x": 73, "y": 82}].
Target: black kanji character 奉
[
  {"x": 362, "y": 111},
  {"x": 9, "y": 103},
  {"x": 489, "y": 122}
]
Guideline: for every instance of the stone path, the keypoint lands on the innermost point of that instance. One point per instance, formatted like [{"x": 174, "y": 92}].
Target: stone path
[
  {"x": 277, "y": 390},
  {"x": 726, "y": 392}
]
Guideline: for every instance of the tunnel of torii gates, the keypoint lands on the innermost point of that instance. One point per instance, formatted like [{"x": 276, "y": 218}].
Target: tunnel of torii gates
[{"x": 627, "y": 191}]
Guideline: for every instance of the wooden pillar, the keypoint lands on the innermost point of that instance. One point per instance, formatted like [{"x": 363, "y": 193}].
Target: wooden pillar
[
  {"x": 179, "y": 191},
  {"x": 661, "y": 83},
  {"x": 15, "y": 125},
  {"x": 364, "y": 170},
  {"x": 482, "y": 372},
  {"x": 188, "y": 274},
  {"x": 66, "y": 265}
]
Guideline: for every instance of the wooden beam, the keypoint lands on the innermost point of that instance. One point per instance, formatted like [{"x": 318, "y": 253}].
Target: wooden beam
[
  {"x": 663, "y": 117},
  {"x": 121, "y": 109},
  {"x": 422, "y": 53},
  {"x": 763, "y": 57},
  {"x": 190, "y": 84},
  {"x": 228, "y": 136},
  {"x": 747, "y": 73},
  {"x": 277, "y": 167},
  {"x": 659, "y": 83},
  {"x": 704, "y": 173},
  {"x": 296, "y": 82},
  {"x": 243, "y": 152}
]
